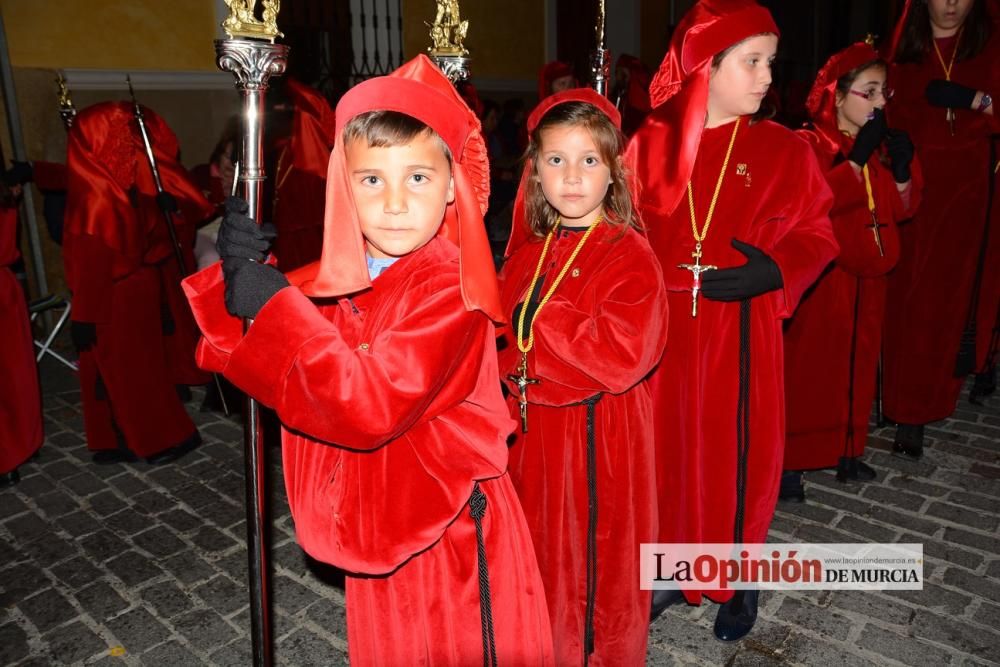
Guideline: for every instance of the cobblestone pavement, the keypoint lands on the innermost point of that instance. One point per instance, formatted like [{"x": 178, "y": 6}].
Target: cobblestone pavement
[{"x": 141, "y": 565}]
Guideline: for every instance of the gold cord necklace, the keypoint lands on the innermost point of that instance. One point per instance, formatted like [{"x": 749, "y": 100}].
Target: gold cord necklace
[
  {"x": 521, "y": 379},
  {"x": 698, "y": 268},
  {"x": 950, "y": 114}
]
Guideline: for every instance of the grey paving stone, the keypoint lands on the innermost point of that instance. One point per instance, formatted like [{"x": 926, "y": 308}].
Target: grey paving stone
[
  {"x": 47, "y": 609},
  {"x": 27, "y": 526},
  {"x": 810, "y": 510},
  {"x": 13, "y": 644},
  {"x": 235, "y": 654},
  {"x": 103, "y": 545},
  {"x": 8, "y": 554},
  {"x": 129, "y": 484},
  {"x": 672, "y": 631},
  {"x": 905, "y": 649},
  {"x": 127, "y": 522},
  {"x": 159, "y": 541},
  {"x": 963, "y": 516},
  {"x": 870, "y": 531},
  {"x": 73, "y": 643},
  {"x": 935, "y": 598},
  {"x": 212, "y": 540},
  {"x": 79, "y": 523},
  {"x": 872, "y": 605},
  {"x": 106, "y": 503},
  {"x": 59, "y": 469},
  {"x": 188, "y": 567},
  {"x": 974, "y": 500},
  {"x": 993, "y": 570},
  {"x": 134, "y": 568},
  {"x": 329, "y": 615},
  {"x": 960, "y": 635},
  {"x": 308, "y": 649},
  {"x": 21, "y": 581},
  {"x": 204, "y": 628},
  {"x": 170, "y": 654},
  {"x": 101, "y": 601},
  {"x": 971, "y": 583},
  {"x": 919, "y": 487},
  {"x": 137, "y": 630},
  {"x": 988, "y": 614},
  {"x": 197, "y": 495},
  {"x": 35, "y": 485},
  {"x": 154, "y": 501},
  {"x": 167, "y": 598},
  {"x": 824, "y": 621},
  {"x": 967, "y": 538},
  {"x": 181, "y": 520},
  {"x": 894, "y": 497},
  {"x": 49, "y": 551},
  {"x": 904, "y": 521},
  {"x": 169, "y": 477},
  {"x": 839, "y": 501},
  {"x": 944, "y": 551},
  {"x": 292, "y": 596},
  {"x": 223, "y": 595},
  {"x": 10, "y": 504},
  {"x": 83, "y": 484}
]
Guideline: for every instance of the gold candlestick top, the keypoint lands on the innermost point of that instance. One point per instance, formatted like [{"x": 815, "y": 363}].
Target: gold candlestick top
[
  {"x": 65, "y": 101},
  {"x": 243, "y": 22},
  {"x": 448, "y": 30}
]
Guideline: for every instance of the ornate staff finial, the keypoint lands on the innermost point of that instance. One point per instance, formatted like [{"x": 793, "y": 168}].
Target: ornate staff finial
[
  {"x": 242, "y": 20},
  {"x": 600, "y": 60},
  {"x": 67, "y": 110},
  {"x": 447, "y": 48},
  {"x": 870, "y": 39}
]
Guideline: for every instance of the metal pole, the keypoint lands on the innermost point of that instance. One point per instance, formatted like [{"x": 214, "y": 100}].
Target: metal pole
[
  {"x": 20, "y": 153},
  {"x": 253, "y": 62}
]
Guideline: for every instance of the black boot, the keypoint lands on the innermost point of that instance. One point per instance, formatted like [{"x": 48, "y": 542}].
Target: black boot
[
  {"x": 9, "y": 478},
  {"x": 792, "y": 488},
  {"x": 736, "y": 618},
  {"x": 853, "y": 469},
  {"x": 175, "y": 452},
  {"x": 662, "y": 600},
  {"x": 909, "y": 443},
  {"x": 984, "y": 385}
]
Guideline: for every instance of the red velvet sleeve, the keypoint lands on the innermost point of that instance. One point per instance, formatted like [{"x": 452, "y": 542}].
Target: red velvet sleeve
[
  {"x": 296, "y": 361},
  {"x": 89, "y": 265},
  {"x": 808, "y": 243},
  {"x": 607, "y": 344}
]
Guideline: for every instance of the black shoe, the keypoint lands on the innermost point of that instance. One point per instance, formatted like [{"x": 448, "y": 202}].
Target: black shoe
[
  {"x": 909, "y": 443},
  {"x": 853, "y": 469},
  {"x": 792, "y": 488},
  {"x": 985, "y": 384},
  {"x": 106, "y": 457},
  {"x": 736, "y": 618},
  {"x": 175, "y": 452},
  {"x": 9, "y": 478},
  {"x": 662, "y": 600}
]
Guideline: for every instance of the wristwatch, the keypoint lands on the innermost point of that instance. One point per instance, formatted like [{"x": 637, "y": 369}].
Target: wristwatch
[{"x": 985, "y": 102}]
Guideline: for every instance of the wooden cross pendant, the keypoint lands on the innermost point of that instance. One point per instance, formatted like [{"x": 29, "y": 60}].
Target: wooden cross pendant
[
  {"x": 523, "y": 382},
  {"x": 696, "y": 270},
  {"x": 878, "y": 235}
]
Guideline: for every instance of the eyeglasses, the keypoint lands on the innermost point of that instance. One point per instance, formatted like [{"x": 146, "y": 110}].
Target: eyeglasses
[{"x": 873, "y": 93}]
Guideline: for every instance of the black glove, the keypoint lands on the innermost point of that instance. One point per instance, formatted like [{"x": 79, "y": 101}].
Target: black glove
[
  {"x": 83, "y": 335},
  {"x": 759, "y": 275},
  {"x": 869, "y": 138},
  {"x": 166, "y": 202},
  {"x": 18, "y": 174},
  {"x": 240, "y": 236},
  {"x": 249, "y": 285},
  {"x": 528, "y": 316},
  {"x": 941, "y": 93},
  {"x": 901, "y": 155}
]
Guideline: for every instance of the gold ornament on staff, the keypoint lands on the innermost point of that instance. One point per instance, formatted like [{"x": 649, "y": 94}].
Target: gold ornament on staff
[
  {"x": 448, "y": 30},
  {"x": 600, "y": 59},
  {"x": 67, "y": 110},
  {"x": 243, "y": 22}
]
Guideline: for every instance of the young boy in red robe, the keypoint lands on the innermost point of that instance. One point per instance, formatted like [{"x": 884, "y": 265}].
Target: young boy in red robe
[
  {"x": 394, "y": 427},
  {"x": 721, "y": 187},
  {"x": 946, "y": 67},
  {"x": 589, "y": 324},
  {"x": 134, "y": 332},
  {"x": 832, "y": 343},
  {"x": 20, "y": 400}
]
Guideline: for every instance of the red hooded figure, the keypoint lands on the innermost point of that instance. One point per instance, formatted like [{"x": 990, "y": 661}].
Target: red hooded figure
[
  {"x": 20, "y": 399},
  {"x": 584, "y": 469},
  {"x": 555, "y": 73},
  {"x": 134, "y": 331},
  {"x": 746, "y": 196},
  {"x": 300, "y": 178},
  {"x": 631, "y": 92},
  {"x": 943, "y": 294},
  {"x": 394, "y": 428},
  {"x": 832, "y": 343}
]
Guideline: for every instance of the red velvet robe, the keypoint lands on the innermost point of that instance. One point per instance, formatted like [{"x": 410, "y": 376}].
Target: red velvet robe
[
  {"x": 774, "y": 197},
  {"x": 601, "y": 333},
  {"x": 391, "y": 415},
  {"x": 930, "y": 290},
  {"x": 839, "y": 322},
  {"x": 20, "y": 399},
  {"x": 127, "y": 380}
]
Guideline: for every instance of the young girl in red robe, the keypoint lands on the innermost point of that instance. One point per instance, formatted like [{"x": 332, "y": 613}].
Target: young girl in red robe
[
  {"x": 589, "y": 323},
  {"x": 381, "y": 364},
  {"x": 721, "y": 187},
  {"x": 832, "y": 343},
  {"x": 946, "y": 70}
]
